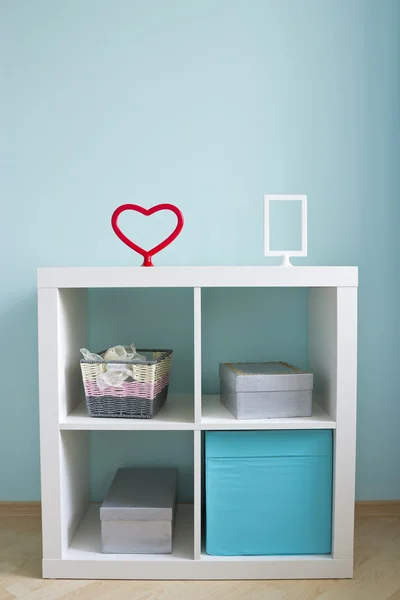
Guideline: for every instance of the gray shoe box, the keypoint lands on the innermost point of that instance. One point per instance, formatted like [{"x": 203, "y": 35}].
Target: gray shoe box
[
  {"x": 137, "y": 515},
  {"x": 266, "y": 390}
]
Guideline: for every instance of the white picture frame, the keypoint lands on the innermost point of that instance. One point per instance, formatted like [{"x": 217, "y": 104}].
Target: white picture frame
[{"x": 285, "y": 254}]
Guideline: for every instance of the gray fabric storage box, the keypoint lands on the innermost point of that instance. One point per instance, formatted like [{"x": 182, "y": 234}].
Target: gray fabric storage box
[
  {"x": 265, "y": 390},
  {"x": 137, "y": 515}
]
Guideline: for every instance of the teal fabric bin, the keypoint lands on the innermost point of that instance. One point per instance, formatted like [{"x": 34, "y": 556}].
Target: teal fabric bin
[{"x": 268, "y": 492}]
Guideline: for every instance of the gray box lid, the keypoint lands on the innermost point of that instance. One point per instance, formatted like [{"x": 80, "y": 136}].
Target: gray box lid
[
  {"x": 265, "y": 377},
  {"x": 141, "y": 495}
]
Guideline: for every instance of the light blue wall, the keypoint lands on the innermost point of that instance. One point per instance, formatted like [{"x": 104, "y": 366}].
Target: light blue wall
[{"x": 208, "y": 104}]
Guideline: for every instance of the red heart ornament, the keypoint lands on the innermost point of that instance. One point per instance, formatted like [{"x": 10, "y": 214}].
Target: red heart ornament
[{"x": 147, "y": 254}]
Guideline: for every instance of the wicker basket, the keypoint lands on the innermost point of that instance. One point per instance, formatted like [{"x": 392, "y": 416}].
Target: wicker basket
[{"x": 138, "y": 397}]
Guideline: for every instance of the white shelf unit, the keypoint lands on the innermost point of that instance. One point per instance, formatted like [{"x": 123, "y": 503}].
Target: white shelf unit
[{"x": 71, "y": 527}]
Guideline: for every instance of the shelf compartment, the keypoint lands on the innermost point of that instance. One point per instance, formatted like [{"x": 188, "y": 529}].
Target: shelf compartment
[
  {"x": 84, "y": 559},
  {"x": 216, "y": 416},
  {"x": 176, "y": 414},
  {"x": 86, "y": 544}
]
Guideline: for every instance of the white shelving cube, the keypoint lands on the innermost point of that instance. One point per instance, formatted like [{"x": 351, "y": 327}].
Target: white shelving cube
[{"x": 71, "y": 527}]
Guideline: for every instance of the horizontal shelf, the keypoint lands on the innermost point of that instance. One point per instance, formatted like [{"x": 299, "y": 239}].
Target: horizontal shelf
[
  {"x": 86, "y": 544},
  {"x": 275, "y": 567},
  {"x": 130, "y": 277},
  {"x": 176, "y": 414},
  {"x": 216, "y": 416},
  {"x": 284, "y": 558}
]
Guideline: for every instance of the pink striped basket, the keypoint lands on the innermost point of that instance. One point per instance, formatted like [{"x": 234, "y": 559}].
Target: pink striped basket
[{"x": 140, "y": 396}]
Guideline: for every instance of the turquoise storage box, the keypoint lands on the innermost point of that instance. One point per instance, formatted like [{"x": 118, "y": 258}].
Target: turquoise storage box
[{"x": 268, "y": 492}]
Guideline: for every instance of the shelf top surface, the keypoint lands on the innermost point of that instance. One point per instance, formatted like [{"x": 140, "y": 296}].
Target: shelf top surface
[
  {"x": 131, "y": 277},
  {"x": 216, "y": 417},
  {"x": 178, "y": 414}
]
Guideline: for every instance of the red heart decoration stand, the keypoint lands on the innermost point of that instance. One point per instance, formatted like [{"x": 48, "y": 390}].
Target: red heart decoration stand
[{"x": 147, "y": 254}]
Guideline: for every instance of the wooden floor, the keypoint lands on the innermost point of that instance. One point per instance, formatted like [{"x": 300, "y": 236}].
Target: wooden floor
[{"x": 377, "y": 573}]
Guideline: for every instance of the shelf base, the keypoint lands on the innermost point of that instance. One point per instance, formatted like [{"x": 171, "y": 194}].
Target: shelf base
[
  {"x": 275, "y": 568},
  {"x": 84, "y": 559}
]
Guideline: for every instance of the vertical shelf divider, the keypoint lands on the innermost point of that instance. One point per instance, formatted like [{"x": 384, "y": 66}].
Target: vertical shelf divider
[
  {"x": 197, "y": 494},
  {"x": 197, "y": 420},
  {"x": 197, "y": 355}
]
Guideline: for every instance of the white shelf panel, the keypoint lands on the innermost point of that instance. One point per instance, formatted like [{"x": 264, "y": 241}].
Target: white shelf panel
[
  {"x": 216, "y": 416},
  {"x": 267, "y": 559},
  {"x": 86, "y": 544},
  {"x": 176, "y": 414},
  {"x": 128, "y": 277}
]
